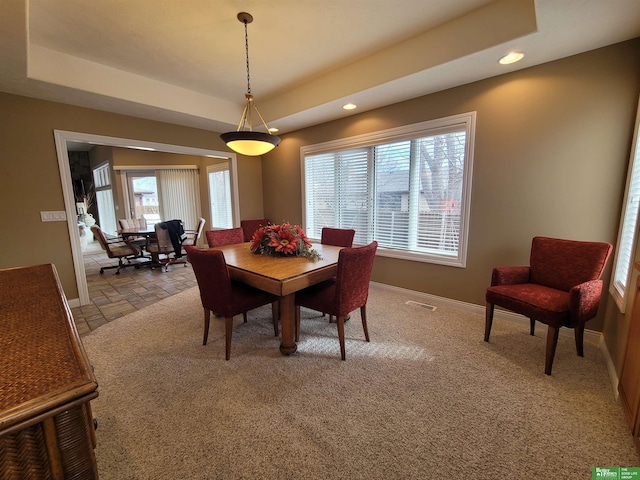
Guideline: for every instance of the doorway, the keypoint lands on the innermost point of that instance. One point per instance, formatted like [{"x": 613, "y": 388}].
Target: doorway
[{"x": 63, "y": 138}]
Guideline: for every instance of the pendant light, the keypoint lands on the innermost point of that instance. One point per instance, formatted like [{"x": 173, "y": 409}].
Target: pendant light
[{"x": 248, "y": 142}]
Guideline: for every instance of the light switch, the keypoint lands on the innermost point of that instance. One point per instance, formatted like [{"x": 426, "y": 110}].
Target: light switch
[{"x": 59, "y": 216}]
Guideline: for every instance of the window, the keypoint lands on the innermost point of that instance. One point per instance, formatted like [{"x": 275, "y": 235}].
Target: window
[
  {"x": 104, "y": 199},
  {"x": 162, "y": 193},
  {"x": 220, "y": 195},
  {"x": 627, "y": 237},
  {"x": 408, "y": 188}
]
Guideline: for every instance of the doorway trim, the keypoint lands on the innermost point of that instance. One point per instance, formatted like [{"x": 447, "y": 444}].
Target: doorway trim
[{"x": 62, "y": 137}]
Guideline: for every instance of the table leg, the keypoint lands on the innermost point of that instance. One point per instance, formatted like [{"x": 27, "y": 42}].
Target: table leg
[{"x": 287, "y": 319}]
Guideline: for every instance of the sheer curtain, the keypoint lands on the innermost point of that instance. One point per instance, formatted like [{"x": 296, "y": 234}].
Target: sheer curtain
[{"x": 179, "y": 195}]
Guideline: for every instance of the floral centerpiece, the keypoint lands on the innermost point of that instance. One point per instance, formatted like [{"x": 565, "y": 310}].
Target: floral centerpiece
[{"x": 283, "y": 240}]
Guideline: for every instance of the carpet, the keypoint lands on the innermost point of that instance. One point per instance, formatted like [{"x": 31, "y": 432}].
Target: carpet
[{"x": 427, "y": 398}]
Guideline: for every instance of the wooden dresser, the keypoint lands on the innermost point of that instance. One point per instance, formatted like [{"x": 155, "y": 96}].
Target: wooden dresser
[{"x": 46, "y": 381}]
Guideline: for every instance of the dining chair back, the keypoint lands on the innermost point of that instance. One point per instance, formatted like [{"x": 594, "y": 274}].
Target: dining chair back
[
  {"x": 194, "y": 235},
  {"x": 219, "y": 294},
  {"x": 116, "y": 247},
  {"x": 348, "y": 292},
  {"x": 228, "y": 236},
  {"x": 250, "y": 226},
  {"x": 340, "y": 237},
  {"x": 134, "y": 223},
  {"x": 163, "y": 250},
  {"x": 561, "y": 287}
]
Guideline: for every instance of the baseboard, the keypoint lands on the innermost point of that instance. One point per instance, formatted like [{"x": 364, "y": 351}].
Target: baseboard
[
  {"x": 74, "y": 302},
  {"x": 611, "y": 369}
]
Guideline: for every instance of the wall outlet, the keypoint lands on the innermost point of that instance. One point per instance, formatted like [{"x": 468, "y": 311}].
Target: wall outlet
[{"x": 60, "y": 216}]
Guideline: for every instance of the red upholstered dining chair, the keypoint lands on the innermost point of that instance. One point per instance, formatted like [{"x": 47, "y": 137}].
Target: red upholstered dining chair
[
  {"x": 340, "y": 237},
  {"x": 250, "y": 226},
  {"x": 220, "y": 294},
  {"x": 228, "y": 236},
  {"x": 349, "y": 291},
  {"x": 561, "y": 287}
]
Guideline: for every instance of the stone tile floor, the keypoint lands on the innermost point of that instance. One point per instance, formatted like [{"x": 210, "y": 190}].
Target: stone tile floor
[{"x": 113, "y": 296}]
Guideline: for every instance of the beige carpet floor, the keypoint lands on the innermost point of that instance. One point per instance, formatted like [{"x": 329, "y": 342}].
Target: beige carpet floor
[{"x": 427, "y": 398}]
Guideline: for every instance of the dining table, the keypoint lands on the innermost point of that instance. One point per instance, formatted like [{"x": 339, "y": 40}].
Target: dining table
[
  {"x": 282, "y": 276},
  {"x": 137, "y": 232}
]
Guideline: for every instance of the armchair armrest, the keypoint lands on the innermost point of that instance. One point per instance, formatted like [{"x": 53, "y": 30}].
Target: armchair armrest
[
  {"x": 584, "y": 300},
  {"x": 510, "y": 275}
]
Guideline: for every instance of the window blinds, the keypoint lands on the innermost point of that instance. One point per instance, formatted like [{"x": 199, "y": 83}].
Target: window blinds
[{"x": 405, "y": 194}]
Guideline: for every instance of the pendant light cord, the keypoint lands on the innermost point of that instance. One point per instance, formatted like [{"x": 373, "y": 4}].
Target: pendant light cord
[{"x": 246, "y": 45}]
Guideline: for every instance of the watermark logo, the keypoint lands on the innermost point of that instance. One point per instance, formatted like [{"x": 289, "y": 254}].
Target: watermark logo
[{"x": 618, "y": 473}]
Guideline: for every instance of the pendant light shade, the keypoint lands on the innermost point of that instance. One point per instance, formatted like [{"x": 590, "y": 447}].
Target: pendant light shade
[{"x": 243, "y": 141}]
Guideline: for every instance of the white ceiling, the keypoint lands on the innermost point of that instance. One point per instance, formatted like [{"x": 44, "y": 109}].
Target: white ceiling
[{"x": 184, "y": 62}]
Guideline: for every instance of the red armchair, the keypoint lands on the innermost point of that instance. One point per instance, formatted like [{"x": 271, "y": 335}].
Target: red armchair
[
  {"x": 220, "y": 238},
  {"x": 560, "y": 288},
  {"x": 349, "y": 291},
  {"x": 223, "y": 296}
]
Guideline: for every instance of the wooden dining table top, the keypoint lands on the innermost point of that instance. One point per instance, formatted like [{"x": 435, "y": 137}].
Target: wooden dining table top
[
  {"x": 137, "y": 231},
  {"x": 280, "y": 275}
]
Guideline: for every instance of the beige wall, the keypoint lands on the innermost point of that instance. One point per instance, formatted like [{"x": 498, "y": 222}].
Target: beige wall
[
  {"x": 30, "y": 179},
  {"x": 552, "y": 145}
]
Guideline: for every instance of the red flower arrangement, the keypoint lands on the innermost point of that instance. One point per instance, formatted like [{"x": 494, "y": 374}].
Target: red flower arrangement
[{"x": 283, "y": 240}]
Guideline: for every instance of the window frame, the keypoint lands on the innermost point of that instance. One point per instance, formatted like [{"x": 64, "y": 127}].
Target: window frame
[
  {"x": 619, "y": 286},
  {"x": 465, "y": 121}
]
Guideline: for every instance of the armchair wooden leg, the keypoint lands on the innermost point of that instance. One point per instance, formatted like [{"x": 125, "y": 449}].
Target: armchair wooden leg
[
  {"x": 363, "y": 314},
  {"x": 532, "y": 327},
  {"x": 207, "y": 321},
  {"x": 244, "y": 317},
  {"x": 488, "y": 321},
  {"x": 228, "y": 329},
  {"x": 579, "y": 333},
  {"x": 552, "y": 341},
  {"x": 340, "y": 321}
]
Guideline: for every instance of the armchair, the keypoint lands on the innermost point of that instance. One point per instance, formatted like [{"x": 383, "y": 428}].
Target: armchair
[
  {"x": 117, "y": 247},
  {"x": 560, "y": 288}
]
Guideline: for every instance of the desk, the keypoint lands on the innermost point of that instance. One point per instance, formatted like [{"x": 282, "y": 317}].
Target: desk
[
  {"x": 282, "y": 276},
  {"x": 46, "y": 381}
]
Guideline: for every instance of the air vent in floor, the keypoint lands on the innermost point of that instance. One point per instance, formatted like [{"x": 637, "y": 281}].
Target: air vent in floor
[{"x": 421, "y": 305}]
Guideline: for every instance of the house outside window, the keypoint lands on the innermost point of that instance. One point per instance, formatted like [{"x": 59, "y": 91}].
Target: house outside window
[{"x": 409, "y": 188}]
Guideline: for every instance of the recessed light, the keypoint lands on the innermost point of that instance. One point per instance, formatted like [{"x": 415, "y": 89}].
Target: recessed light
[
  {"x": 349, "y": 106},
  {"x": 512, "y": 57},
  {"x": 273, "y": 129}
]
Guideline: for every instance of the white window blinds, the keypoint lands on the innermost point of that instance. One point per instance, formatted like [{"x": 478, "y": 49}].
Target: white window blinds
[
  {"x": 179, "y": 195},
  {"x": 220, "y": 195},
  {"x": 409, "y": 189}
]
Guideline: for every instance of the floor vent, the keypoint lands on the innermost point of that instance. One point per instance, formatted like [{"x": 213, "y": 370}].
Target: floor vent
[{"x": 421, "y": 305}]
